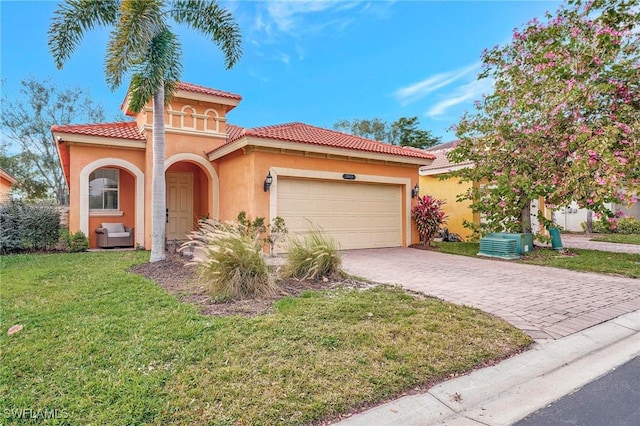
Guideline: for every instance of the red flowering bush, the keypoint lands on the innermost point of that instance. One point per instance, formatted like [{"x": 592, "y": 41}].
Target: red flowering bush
[{"x": 428, "y": 216}]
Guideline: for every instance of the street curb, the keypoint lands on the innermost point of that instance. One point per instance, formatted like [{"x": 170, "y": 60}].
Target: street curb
[{"x": 509, "y": 391}]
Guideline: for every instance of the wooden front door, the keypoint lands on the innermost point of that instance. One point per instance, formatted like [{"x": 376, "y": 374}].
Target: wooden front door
[{"x": 179, "y": 205}]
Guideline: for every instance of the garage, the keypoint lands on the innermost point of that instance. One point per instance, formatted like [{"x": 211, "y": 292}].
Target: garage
[{"x": 356, "y": 214}]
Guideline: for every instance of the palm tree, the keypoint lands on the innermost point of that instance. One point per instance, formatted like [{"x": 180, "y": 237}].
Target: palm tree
[{"x": 142, "y": 45}]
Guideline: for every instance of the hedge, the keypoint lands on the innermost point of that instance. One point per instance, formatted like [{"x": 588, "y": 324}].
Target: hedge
[{"x": 27, "y": 228}]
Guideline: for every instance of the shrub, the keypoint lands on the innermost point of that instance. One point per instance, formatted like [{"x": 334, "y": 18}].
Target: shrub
[
  {"x": 313, "y": 256},
  {"x": 232, "y": 265},
  {"x": 601, "y": 226},
  {"x": 628, "y": 225},
  {"x": 277, "y": 231},
  {"x": 250, "y": 228},
  {"x": 24, "y": 227},
  {"x": 428, "y": 216},
  {"x": 272, "y": 233},
  {"x": 625, "y": 225},
  {"x": 77, "y": 242}
]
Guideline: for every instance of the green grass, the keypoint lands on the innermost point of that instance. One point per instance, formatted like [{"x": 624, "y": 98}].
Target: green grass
[
  {"x": 584, "y": 260},
  {"x": 103, "y": 346},
  {"x": 463, "y": 248},
  {"x": 589, "y": 261},
  {"x": 618, "y": 238}
]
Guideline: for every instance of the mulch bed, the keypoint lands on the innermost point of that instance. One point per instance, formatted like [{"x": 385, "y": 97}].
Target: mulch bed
[{"x": 181, "y": 280}]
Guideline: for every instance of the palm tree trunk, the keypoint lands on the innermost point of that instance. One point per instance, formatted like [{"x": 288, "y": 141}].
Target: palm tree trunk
[{"x": 158, "y": 199}]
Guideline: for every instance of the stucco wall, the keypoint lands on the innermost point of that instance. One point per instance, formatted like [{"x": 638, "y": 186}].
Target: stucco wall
[
  {"x": 448, "y": 190},
  {"x": 5, "y": 188},
  {"x": 242, "y": 177},
  {"x": 237, "y": 186}
]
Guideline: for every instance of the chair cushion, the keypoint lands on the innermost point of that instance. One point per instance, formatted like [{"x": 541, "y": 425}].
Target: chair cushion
[
  {"x": 114, "y": 228},
  {"x": 118, "y": 234}
]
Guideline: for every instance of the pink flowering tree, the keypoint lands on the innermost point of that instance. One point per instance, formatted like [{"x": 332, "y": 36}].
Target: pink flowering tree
[
  {"x": 563, "y": 122},
  {"x": 428, "y": 216}
]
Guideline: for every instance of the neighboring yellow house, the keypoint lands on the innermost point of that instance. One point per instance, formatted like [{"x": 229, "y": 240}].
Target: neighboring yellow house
[
  {"x": 569, "y": 218},
  {"x": 448, "y": 189},
  {"x": 355, "y": 189},
  {"x": 6, "y": 182}
]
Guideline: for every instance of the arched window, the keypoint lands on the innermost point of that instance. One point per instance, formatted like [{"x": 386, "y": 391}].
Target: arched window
[{"x": 103, "y": 189}]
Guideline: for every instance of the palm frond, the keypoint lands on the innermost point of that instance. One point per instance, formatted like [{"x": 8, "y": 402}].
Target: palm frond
[
  {"x": 159, "y": 68},
  {"x": 72, "y": 19},
  {"x": 214, "y": 21},
  {"x": 139, "y": 22}
]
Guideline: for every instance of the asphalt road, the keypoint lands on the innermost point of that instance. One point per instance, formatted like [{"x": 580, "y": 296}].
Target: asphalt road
[{"x": 612, "y": 400}]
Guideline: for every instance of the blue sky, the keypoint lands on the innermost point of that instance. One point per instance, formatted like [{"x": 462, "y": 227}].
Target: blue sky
[{"x": 309, "y": 61}]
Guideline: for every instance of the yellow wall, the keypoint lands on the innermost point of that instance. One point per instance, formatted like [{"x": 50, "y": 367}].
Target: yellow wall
[{"x": 448, "y": 190}]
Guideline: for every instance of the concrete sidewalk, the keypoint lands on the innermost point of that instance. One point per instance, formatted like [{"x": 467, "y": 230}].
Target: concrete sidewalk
[
  {"x": 518, "y": 386},
  {"x": 582, "y": 241}
]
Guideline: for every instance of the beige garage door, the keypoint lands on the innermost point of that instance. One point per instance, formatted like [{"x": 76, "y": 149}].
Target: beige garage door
[{"x": 357, "y": 215}]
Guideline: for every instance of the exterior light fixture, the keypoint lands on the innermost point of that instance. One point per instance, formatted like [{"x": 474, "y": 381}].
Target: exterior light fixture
[
  {"x": 415, "y": 191},
  {"x": 267, "y": 182}
]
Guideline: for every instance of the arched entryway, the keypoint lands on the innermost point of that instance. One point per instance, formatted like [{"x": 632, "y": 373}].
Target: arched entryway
[
  {"x": 111, "y": 190},
  {"x": 192, "y": 194}
]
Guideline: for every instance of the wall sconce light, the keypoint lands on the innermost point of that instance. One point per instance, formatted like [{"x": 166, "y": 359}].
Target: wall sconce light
[
  {"x": 267, "y": 182},
  {"x": 415, "y": 191}
]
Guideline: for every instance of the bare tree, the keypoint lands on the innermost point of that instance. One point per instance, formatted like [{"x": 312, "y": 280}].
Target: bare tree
[{"x": 26, "y": 121}]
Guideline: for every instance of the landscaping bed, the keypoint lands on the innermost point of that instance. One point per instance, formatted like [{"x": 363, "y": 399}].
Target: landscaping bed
[{"x": 180, "y": 279}]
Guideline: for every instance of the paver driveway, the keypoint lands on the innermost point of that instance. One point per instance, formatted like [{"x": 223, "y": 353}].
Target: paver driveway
[{"x": 546, "y": 303}]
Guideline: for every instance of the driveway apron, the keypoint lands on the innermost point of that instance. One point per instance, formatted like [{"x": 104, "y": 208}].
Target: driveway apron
[{"x": 544, "y": 302}]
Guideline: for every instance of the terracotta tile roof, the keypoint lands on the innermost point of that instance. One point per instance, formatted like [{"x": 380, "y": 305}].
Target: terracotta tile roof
[
  {"x": 306, "y": 134},
  {"x": 234, "y": 132},
  {"x": 194, "y": 88},
  {"x": 122, "y": 130},
  {"x": 442, "y": 163}
]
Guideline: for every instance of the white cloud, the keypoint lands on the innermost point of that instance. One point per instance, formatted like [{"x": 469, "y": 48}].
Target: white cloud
[
  {"x": 288, "y": 15},
  {"x": 467, "y": 92},
  {"x": 283, "y": 57},
  {"x": 415, "y": 92},
  {"x": 290, "y": 25}
]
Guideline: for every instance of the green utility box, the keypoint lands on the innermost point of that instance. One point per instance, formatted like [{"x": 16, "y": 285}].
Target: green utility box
[
  {"x": 524, "y": 241},
  {"x": 502, "y": 248},
  {"x": 556, "y": 241}
]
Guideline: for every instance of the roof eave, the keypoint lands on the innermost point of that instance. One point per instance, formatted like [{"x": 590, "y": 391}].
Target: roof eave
[
  {"x": 8, "y": 176},
  {"x": 185, "y": 94},
  {"x": 426, "y": 171},
  {"x": 61, "y": 136},
  {"x": 307, "y": 147}
]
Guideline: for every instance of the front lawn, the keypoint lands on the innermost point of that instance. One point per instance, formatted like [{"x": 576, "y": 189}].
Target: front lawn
[
  {"x": 104, "y": 346},
  {"x": 618, "y": 238},
  {"x": 603, "y": 262}
]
